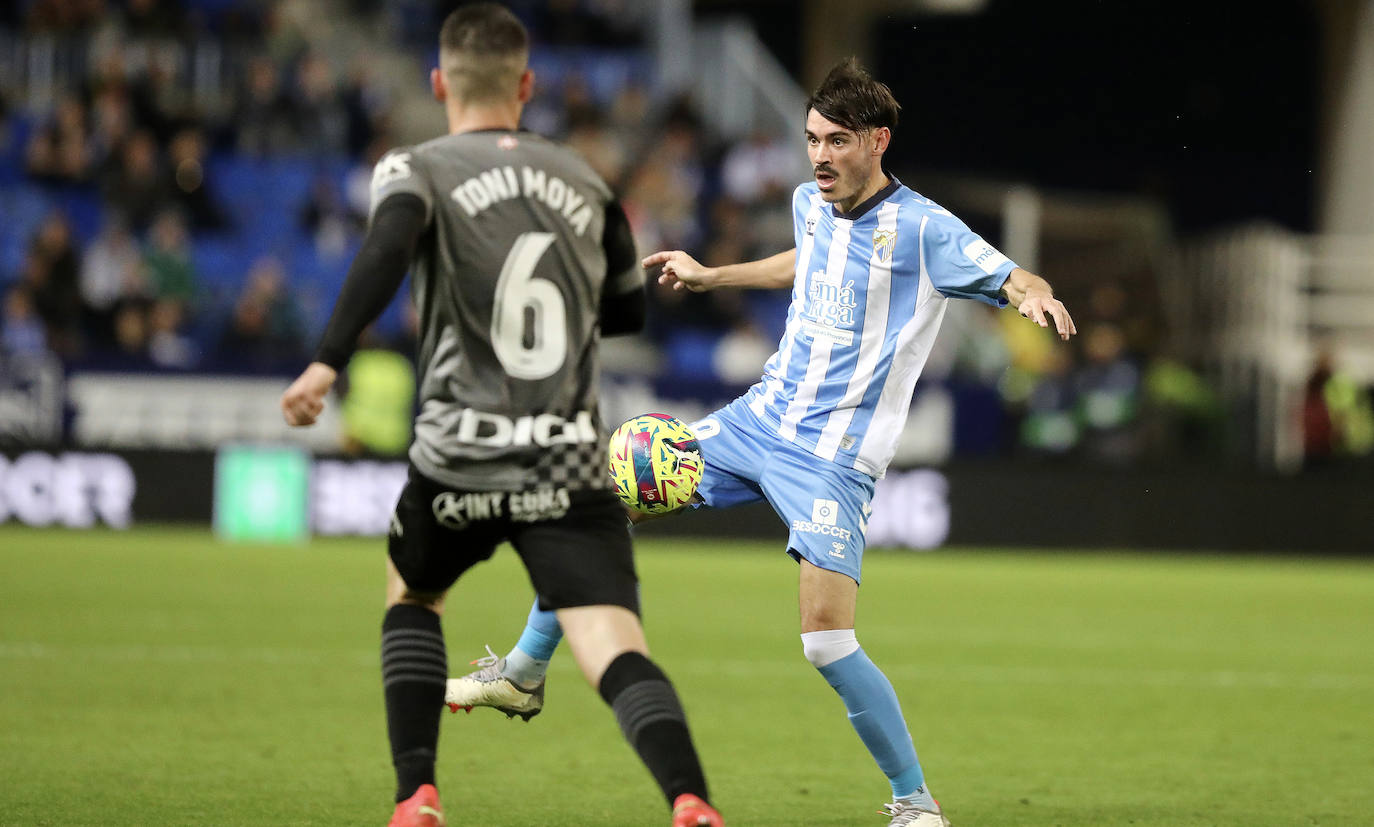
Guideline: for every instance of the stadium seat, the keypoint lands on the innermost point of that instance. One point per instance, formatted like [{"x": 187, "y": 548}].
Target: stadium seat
[
  {"x": 24, "y": 207},
  {"x": 689, "y": 354},
  {"x": 84, "y": 210}
]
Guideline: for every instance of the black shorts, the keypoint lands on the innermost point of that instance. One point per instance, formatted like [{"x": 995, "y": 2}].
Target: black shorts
[{"x": 575, "y": 545}]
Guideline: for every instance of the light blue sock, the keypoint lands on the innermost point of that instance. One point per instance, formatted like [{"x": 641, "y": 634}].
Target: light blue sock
[
  {"x": 877, "y": 717},
  {"x": 529, "y": 660},
  {"x": 542, "y": 633}
]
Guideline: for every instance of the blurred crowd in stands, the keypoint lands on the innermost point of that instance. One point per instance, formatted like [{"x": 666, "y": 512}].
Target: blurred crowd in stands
[
  {"x": 112, "y": 202},
  {"x": 184, "y": 194}
]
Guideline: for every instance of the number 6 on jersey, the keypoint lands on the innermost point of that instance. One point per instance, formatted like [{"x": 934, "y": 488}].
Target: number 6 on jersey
[{"x": 529, "y": 327}]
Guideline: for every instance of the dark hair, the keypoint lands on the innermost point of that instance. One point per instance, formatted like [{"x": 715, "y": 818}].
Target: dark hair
[
  {"x": 483, "y": 49},
  {"x": 850, "y": 97}
]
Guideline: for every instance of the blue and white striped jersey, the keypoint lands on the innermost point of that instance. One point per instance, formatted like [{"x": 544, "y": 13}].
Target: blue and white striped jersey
[{"x": 867, "y": 300}]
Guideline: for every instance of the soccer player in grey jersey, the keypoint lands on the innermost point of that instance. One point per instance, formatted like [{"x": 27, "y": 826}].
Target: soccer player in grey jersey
[{"x": 520, "y": 260}]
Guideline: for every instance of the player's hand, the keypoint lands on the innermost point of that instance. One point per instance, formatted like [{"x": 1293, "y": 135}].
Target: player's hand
[
  {"x": 302, "y": 402},
  {"x": 680, "y": 270},
  {"x": 1038, "y": 305}
]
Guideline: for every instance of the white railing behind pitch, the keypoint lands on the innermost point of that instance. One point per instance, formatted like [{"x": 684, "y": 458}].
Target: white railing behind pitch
[
  {"x": 741, "y": 88},
  {"x": 1258, "y": 305}
]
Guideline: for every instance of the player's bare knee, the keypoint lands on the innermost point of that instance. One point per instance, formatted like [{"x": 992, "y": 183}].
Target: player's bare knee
[
  {"x": 825, "y": 616},
  {"x": 434, "y": 601}
]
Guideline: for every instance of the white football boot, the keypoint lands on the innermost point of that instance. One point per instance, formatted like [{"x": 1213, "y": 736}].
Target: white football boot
[
  {"x": 488, "y": 687},
  {"x": 905, "y": 814}
]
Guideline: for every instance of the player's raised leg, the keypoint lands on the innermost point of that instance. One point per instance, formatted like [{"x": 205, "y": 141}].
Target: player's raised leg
[
  {"x": 582, "y": 564},
  {"x": 513, "y": 684},
  {"x": 414, "y": 668},
  {"x": 827, "y": 602},
  {"x": 529, "y": 660},
  {"x": 608, "y": 643}
]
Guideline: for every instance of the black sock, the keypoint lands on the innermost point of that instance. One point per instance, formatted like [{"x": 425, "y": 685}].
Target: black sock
[
  {"x": 414, "y": 672},
  {"x": 650, "y": 715}
]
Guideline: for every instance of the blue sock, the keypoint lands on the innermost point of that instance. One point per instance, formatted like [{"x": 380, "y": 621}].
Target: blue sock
[
  {"x": 529, "y": 660},
  {"x": 542, "y": 633},
  {"x": 877, "y": 717}
]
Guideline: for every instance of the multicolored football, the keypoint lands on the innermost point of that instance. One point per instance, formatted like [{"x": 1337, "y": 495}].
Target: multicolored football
[{"x": 655, "y": 463}]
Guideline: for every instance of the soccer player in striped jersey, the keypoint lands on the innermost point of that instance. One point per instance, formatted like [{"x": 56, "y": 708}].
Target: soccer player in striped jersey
[{"x": 873, "y": 269}]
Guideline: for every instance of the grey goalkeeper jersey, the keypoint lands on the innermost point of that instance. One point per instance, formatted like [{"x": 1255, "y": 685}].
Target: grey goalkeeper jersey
[{"x": 507, "y": 280}]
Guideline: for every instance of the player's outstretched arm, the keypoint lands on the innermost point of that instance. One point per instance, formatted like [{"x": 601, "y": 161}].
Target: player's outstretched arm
[
  {"x": 1033, "y": 298},
  {"x": 684, "y": 272},
  {"x": 373, "y": 278},
  {"x": 303, "y": 401}
]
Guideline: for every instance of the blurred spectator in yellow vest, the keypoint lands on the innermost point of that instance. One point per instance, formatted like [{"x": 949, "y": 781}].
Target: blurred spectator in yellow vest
[{"x": 377, "y": 411}]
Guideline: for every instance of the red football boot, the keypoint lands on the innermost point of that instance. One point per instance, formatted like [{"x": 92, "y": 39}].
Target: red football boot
[
  {"x": 690, "y": 811},
  {"x": 420, "y": 810}
]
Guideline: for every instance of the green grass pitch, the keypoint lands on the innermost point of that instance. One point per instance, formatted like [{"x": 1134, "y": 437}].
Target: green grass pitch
[{"x": 159, "y": 677}]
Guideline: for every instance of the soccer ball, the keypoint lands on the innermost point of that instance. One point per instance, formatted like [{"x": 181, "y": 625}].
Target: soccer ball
[{"x": 655, "y": 463}]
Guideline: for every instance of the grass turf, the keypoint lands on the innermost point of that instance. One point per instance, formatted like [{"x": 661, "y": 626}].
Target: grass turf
[{"x": 159, "y": 677}]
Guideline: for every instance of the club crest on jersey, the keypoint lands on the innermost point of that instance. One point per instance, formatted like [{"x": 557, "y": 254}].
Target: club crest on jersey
[
  {"x": 810, "y": 225},
  {"x": 884, "y": 241}
]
